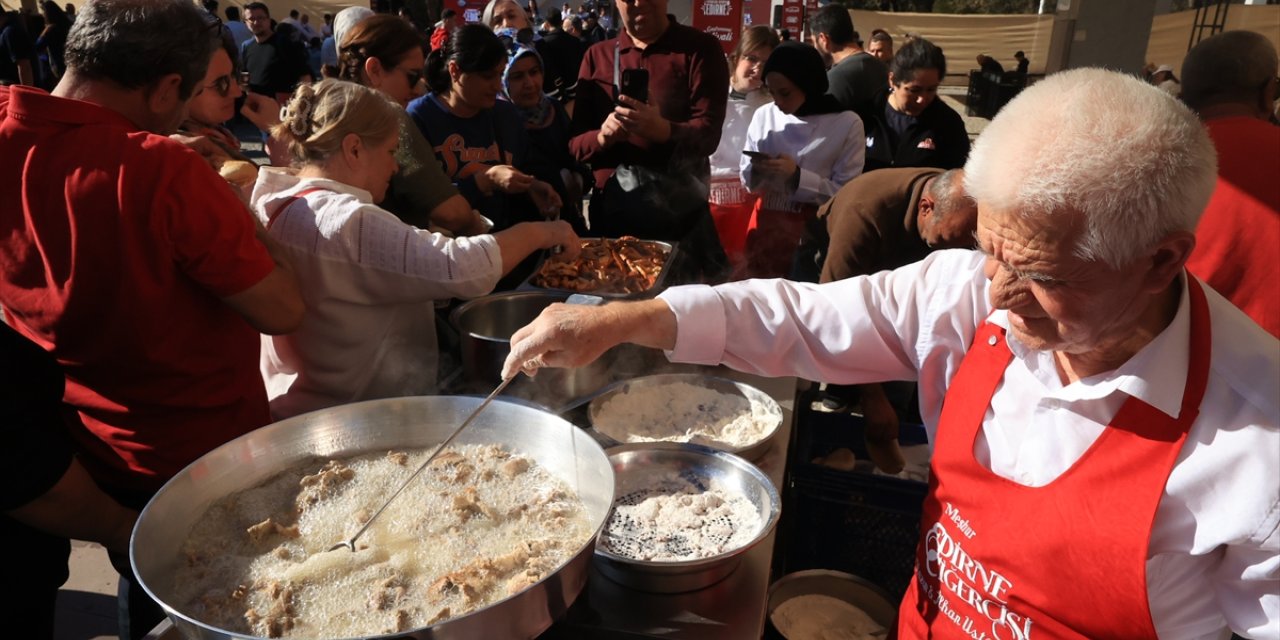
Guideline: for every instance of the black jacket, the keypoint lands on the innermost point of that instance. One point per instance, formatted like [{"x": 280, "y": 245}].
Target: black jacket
[{"x": 936, "y": 139}]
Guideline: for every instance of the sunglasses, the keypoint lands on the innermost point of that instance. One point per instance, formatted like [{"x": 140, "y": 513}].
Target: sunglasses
[{"x": 414, "y": 76}]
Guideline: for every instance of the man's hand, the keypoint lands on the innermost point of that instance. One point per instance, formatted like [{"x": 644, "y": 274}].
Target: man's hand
[
  {"x": 262, "y": 111},
  {"x": 505, "y": 178},
  {"x": 545, "y": 198},
  {"x": 566, "y": 335},
  {"x": 611, "y": 132},
  {"x": 642, "y": 120},
  {"x": 211, "y": 152},
  {"x": 881, "y": 429}
]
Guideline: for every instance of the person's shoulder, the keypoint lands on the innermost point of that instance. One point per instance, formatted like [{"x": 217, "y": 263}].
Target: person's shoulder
[
  {"x": 689, "y": 37},
  {"x": 1245, "y": 356},
  {"x": 940, "y": 111}
]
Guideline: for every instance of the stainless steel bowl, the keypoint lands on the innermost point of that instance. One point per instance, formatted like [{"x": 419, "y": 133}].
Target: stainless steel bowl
[
  {"x": 843, "y": 586},
  {"x": 635, "y": 466},
  {"x": 378, "y": 425},
  {"x": 751, "y": 451}
]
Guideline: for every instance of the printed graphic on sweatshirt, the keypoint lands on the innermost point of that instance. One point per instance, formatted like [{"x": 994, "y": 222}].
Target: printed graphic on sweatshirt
[{"x": 462, "y": 162}]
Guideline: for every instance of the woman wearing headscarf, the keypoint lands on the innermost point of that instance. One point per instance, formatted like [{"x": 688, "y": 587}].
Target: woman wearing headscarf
[
  {"x": 546, "y": 122},
  {"x": 480, "y": 141},
  {"x": 731, "y": 204},
  {"x": 799, "y": 151}
]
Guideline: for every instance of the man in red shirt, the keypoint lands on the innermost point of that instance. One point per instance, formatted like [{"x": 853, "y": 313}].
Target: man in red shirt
[
  {"x": 1230, "y": 80},
  {"x": 126, "y": 257},
  {"x": 650, "y": 157}
]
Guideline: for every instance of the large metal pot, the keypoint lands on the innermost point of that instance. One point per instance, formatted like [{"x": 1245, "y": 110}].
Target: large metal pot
[
  {"x": 485, "y": 326},
  {"x": 562, "y": 449}
]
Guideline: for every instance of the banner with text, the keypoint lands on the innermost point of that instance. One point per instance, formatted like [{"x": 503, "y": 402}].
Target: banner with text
[
  {"x": 720, "y": 18},
  {"x": 793, "y": 17}
]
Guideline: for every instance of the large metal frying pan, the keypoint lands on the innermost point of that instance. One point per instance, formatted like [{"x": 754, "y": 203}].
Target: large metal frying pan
[{"x": 378, "y": 425}]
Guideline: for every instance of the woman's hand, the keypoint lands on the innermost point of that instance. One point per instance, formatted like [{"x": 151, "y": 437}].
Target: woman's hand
[
  {"x": 505, "y": 178},
  {"x": 262, "y": 111},
  {"x": 773, "y": 174},
  {"x": 545, "y": 198},
  {"x": 560, "y": 234}
]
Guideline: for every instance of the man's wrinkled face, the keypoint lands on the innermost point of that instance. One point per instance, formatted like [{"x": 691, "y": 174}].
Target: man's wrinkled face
[{"x": 1056, "y": 300}]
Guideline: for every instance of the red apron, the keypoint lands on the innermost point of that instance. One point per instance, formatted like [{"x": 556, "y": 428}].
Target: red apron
[
  {"x": 774, "y": 235},
  {"x": 731, "y": 209},
  {"x": 999, "y": 560}
]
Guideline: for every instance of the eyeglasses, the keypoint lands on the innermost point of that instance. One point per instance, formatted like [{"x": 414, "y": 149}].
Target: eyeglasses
[{"x": 222, "y": 84}]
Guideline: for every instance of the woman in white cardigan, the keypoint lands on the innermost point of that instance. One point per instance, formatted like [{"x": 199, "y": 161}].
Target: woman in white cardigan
[
  {"x": 799, "y": 151},
  {"x": 369, "y": 280}
]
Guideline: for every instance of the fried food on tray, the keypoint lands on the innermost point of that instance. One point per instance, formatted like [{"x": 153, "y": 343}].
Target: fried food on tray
[{"x": 624, "y": 265}]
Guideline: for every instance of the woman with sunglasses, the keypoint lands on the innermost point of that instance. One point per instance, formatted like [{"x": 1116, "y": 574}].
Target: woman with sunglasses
[
  {"x": 212, "y": 106},
  {"x": 383, "y": 52},
  {"x": 481, "y": 141},
  {"x": 370, "y": 281}
]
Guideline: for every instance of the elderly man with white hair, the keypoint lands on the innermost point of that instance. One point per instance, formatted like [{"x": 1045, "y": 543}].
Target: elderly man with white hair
[{"x": 1105, "y": 429}]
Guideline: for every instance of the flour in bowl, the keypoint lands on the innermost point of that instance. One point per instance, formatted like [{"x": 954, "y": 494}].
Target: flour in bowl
[
  {"x": 819, "y": 617},
  {"x": 680, "y": 517},
  {"x": 683, "y": 412}
]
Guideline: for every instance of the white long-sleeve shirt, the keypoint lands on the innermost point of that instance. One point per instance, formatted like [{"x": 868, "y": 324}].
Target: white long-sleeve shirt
[
  {"x": 829, "y": 148},
  {"x": 1214, "y": 556},
  {"x": 726, "y": 162},
  {"x": 369, "y": 282}
]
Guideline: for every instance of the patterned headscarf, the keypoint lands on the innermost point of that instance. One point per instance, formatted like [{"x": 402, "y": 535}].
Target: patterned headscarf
[{"x": 542, "y": 114}]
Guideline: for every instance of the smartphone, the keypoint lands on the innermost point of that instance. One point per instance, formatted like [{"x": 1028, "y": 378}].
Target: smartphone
[
  {"x": 758, "y": 155},
  {"x": 635, "y": 84}
]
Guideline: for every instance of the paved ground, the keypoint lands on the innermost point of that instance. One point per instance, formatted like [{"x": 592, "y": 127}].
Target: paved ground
[{"x": 86, "y": 603}]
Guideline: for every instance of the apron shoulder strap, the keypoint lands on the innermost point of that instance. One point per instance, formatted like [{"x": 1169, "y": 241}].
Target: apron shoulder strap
[{"x": 275, "y": 213}]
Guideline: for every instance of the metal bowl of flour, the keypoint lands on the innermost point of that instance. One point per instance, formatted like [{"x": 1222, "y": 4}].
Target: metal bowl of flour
[
  {"x": 663, "y": 471},
  {"x": 652, "y": 402}
]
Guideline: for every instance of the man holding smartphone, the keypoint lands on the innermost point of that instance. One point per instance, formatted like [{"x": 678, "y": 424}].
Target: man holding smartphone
[{"x": 650, "y": 107}]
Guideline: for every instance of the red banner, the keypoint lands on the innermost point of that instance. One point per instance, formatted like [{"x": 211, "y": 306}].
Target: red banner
[
  {"x": 720, "y": 18},
  {"x": 755, "y": 12},
  {"x": 793, "y": 17},
  {"x": 810, "y": 8}
]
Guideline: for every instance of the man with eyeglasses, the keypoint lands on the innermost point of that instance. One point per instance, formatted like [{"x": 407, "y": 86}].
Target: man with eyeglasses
[
  {"x": 275, "y": 64},
  {"x": 1230, "y": 81},
  {"x": 130, "y": 261}
]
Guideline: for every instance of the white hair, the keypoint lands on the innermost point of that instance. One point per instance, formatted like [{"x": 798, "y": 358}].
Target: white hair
[{"x": 1127, "y": 157}]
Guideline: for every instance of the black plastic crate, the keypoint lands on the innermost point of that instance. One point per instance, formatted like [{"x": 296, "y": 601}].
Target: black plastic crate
[{"x": 851, "y": 521}]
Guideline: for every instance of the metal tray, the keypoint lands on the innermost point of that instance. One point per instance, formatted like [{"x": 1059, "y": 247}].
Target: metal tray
[
  {"x": 750, "y": 451},
  {"x": 658, "y": 285}
]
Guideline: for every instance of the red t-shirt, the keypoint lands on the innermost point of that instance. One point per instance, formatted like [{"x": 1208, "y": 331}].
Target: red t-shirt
[
  {"x": 116, "y": 246},
  {"x": 1238, "y": 237}
]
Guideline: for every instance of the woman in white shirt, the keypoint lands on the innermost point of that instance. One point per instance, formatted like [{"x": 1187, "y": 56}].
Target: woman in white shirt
[
  {"x": 731, "y": 204},
  {"x": 368, "y": 279},
  {"x": 799, "y": 151}
]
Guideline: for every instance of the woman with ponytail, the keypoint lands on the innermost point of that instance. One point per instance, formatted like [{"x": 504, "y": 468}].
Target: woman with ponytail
[{"x": 369, "y": 280}]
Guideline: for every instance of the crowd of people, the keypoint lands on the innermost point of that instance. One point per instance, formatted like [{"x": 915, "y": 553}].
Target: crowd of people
[{"x": 167, "y": 294}]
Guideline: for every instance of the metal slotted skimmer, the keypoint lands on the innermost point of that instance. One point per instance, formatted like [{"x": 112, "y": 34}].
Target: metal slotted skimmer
[{"x": 629, "y": 536}]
